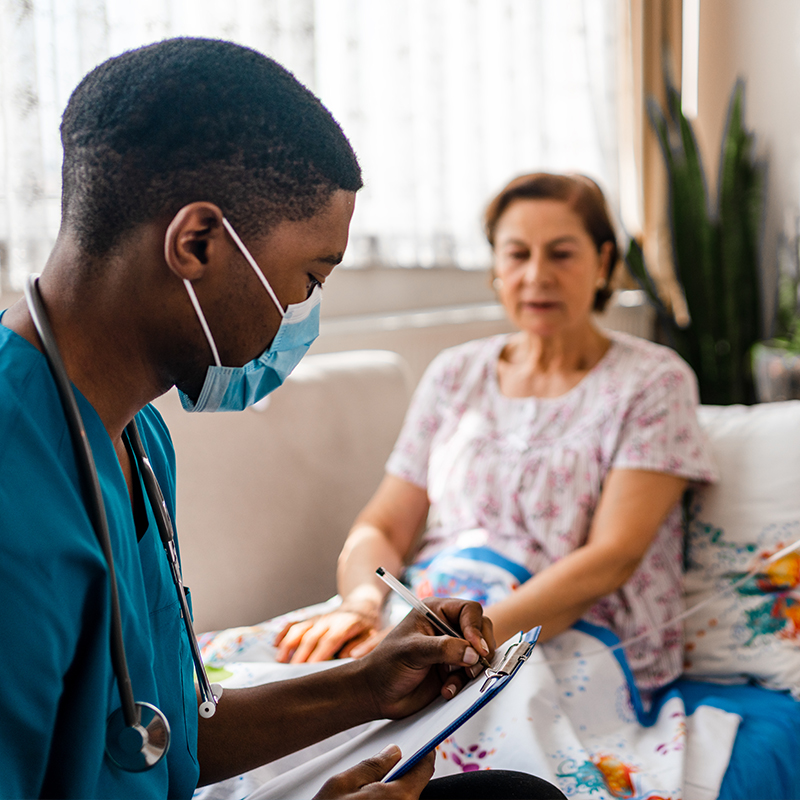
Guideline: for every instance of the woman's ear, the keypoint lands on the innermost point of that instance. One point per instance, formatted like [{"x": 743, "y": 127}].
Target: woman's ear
[
  {"x": 606, "y": 249},
  {"x": 194, "y": 240}
]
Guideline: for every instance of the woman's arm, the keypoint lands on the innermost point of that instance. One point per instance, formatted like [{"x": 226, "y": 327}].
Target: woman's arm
[
  {"x": 382, "y": 536},
  {"x": 632, "y": 506}
]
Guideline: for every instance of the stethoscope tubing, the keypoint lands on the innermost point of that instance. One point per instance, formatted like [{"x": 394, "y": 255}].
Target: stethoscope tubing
[
  {"x": 92, "y": 491},
  {"x": 131, "y": 710}
]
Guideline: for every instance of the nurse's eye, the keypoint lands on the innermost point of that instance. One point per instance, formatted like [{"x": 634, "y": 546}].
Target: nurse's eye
[{"x": 311, "y": 285}]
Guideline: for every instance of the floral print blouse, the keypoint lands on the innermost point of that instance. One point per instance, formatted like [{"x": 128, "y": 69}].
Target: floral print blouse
[{"x": 522, "y": 476}]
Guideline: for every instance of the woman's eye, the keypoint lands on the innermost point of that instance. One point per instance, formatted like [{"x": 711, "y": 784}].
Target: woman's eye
[{"x": 562, "y": 255}]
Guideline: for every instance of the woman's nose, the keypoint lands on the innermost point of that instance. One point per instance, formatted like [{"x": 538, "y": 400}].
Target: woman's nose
[{"x": 536, "y": 269}]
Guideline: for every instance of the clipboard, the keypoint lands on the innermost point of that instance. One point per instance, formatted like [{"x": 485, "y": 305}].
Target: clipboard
[
  {"x": 416, "y": 735},
  {"x": 516, "y": 654}
]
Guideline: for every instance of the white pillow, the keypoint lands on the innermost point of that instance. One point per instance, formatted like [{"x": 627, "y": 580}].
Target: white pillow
[{"x": 754, "y": 510}]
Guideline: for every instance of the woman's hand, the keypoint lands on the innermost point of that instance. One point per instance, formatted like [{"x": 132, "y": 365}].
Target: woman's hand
[
  {"x": 362, "y": 781},
  {"x": 323, "y": 637},
  {"x": 364, "y": 644},
  {"x": 413, "y": 665}
]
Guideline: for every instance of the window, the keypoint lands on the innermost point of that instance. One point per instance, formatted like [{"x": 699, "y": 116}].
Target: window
[{"x": 444, "y": 102}]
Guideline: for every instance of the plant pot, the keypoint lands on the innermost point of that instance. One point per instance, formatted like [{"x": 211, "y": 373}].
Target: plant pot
[{"x": 776, "y": 371}]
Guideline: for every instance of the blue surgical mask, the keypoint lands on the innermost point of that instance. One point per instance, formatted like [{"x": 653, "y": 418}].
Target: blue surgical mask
[{"x": 236, "y": 388}]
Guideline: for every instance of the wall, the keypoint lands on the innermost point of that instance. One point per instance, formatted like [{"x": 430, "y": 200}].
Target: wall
[
  {"x": 419, "y": 312},
  {"x": 759, "y": 41}
]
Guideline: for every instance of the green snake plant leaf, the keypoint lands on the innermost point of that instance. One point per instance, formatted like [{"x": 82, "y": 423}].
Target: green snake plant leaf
[
  {"x": 693, "y": 235},
  {"x": 741, "y": 193},
  {"x": 634, "y": 258},
  {"x": 715, "y": 251}
]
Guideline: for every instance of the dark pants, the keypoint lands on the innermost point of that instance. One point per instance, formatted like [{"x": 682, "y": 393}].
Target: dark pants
[{"x": 490, "y": 784}]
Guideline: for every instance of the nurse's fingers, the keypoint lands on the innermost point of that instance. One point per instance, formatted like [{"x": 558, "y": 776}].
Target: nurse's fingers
[
  {"x": 467, "y": 617},
  {"x": 361, "y": 782}
]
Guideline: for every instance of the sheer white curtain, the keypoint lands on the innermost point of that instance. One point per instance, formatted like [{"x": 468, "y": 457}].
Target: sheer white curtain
[{"x": 444, "y": 102}]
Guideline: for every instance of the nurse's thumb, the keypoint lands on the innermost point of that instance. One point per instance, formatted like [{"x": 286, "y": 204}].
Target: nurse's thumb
[
  {"x": 368, "y": 771},
  {"x": 383, "y": 761}
]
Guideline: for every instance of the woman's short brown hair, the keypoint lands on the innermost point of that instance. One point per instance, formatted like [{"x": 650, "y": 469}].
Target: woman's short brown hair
[{"x": 580, "y": 193}]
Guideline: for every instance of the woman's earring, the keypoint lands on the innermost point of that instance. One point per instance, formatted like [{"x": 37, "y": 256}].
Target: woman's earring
[{"x": 497, "y": 284}]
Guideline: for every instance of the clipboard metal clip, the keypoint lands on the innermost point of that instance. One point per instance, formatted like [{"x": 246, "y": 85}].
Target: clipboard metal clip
[{"x": 515, "y": 655}]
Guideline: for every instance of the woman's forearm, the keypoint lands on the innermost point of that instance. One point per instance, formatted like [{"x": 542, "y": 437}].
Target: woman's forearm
[
  {"x": 632, "y": 507},
  {"x": 382, "y": 536},
  {"x": 366, "y": 549},
  {"x": 561, "y": 594},
  {"x": 358, "y": 619}
]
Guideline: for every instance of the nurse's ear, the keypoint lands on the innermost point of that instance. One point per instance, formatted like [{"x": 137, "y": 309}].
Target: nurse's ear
[{"x": 195, "y": 239}]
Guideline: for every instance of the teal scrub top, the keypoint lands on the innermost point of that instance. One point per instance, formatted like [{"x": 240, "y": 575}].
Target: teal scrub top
[{"x": 58, "y": 683}]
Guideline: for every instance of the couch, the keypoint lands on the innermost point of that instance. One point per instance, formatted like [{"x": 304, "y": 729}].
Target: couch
[{"x": 266, "y": 497}]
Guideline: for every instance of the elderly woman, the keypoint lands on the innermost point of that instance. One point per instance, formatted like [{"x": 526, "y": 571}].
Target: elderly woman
[{"x": 545, "y": 466}]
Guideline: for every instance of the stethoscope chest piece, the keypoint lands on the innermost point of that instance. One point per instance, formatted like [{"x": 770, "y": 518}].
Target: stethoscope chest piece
[{"x": 136, "y": 748}]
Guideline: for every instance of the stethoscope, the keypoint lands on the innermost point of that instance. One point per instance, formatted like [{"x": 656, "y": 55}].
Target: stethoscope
[{"x": 137, "y": 734}]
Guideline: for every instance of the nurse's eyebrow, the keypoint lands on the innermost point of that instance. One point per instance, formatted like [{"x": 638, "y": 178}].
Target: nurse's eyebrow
[{"x": 333, "y": 260}]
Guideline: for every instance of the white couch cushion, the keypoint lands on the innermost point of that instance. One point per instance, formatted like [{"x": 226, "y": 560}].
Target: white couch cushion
[
  {"x": 754, "y": 510},
  {"x": 266, "y": 497}
]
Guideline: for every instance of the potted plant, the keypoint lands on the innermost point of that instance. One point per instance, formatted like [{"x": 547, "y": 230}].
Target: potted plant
[
  {"x": 715, "y": 251},
  {"x": 776, "y": 363}
]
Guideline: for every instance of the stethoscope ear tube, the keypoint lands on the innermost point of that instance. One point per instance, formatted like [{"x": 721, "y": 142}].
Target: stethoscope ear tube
[{"x": 91, "y": 486}]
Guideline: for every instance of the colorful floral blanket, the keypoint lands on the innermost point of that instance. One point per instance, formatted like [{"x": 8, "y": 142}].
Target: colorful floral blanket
[{"x": 572, "y": 715}]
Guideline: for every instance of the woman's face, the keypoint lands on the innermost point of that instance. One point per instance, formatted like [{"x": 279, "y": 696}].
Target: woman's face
[{"x": 548, "y": 266}]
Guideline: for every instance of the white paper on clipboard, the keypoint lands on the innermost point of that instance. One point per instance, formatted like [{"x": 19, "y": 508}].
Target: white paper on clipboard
[
  {"x": 415, "y": 735},
  {"x": 445, "y": 723}
]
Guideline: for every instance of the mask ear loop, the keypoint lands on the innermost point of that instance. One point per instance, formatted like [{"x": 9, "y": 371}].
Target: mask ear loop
[
  {"x": 196, "y": 304},
  {"x": 202, "y": 317},
  {"x": 252, "y": 262}
]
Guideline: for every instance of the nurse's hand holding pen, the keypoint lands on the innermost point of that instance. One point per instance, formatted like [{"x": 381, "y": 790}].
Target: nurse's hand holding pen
[
  {"x": 411, "y": 667},
  {"x": 413, "y": 664}
]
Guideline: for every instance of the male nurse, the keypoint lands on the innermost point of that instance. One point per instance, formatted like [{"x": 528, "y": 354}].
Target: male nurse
[{"x": 206, "y": 198}]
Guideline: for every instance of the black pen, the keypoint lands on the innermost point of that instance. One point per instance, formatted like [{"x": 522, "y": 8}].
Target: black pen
[{"x": 416, "y": 603}]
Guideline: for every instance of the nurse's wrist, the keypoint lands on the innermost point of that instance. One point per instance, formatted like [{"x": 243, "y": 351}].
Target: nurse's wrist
[{"x": 357, "y": 700}]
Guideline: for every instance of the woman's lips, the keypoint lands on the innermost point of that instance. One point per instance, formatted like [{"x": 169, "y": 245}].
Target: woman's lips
[{"x": 540, "y": 305}]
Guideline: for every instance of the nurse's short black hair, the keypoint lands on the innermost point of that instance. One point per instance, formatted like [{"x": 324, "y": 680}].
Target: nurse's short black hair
[{"x": 187, "y": 120}]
